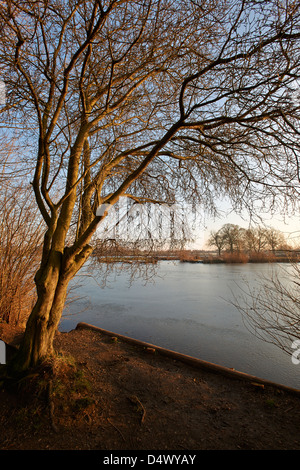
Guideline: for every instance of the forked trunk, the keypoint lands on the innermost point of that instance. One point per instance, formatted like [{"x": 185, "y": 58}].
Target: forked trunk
[
  {"x": 37, "y": 343},
  {"x": 52, "y": 282}
]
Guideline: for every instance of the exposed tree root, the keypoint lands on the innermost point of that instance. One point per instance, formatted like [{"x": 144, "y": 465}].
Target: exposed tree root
[
  {"x": 51, "y": 406},
  {"x": 140, "y": 408}
]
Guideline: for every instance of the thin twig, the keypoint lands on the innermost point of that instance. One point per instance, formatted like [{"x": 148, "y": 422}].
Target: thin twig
[
  {"x": 116, "y": 429},
  {"x": 134, "y": 399}
]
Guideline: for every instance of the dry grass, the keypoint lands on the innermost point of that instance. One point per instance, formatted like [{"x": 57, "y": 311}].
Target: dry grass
[{"x": 236, "y": 257}]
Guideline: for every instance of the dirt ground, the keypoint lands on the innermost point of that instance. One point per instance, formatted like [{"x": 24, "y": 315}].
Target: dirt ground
[{"x": 107, "y": 394}]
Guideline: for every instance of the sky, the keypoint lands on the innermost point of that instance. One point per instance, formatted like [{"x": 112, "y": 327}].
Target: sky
[
  {"x": 289, "y": 226},
  {"x": 133, "y": 222}
]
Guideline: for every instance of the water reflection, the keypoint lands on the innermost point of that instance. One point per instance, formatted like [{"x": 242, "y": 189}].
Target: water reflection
[{"x": 186, "y": 309}]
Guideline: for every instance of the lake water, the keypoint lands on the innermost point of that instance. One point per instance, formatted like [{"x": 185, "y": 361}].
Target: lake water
[{"x": 187, "y": 309}]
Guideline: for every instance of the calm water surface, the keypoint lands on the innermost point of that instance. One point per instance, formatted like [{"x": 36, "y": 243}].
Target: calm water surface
[{"x": 187, "y": 309}]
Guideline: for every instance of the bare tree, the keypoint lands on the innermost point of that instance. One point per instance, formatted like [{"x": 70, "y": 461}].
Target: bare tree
[
  {"x": 274, "y": 239},
  {"x": 149, "y": 99},
  {"x": 255, "y": 239},
  {"x": 21, "y": 234},
  {"x": 233, "y": 237},
  {"x": 271, "y": 311},
  {"x": 20, "y": 242},
  {"x": 217, "y": 239}
]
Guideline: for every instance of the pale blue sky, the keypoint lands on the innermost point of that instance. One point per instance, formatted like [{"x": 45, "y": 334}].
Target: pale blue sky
[{"x": 288, "y": 225}]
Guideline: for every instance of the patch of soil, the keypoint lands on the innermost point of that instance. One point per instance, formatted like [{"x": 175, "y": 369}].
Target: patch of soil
[{"x": 107, "y": 394}]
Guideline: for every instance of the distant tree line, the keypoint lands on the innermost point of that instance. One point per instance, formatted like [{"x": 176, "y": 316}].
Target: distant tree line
[{"x": 232, "y": 238}]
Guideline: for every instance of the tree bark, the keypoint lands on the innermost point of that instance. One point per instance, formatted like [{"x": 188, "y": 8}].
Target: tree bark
[{"x": 52, "y": 284}]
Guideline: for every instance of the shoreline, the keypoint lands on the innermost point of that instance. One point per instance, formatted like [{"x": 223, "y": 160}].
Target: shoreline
[
  {"x": 190, "y": 360},
  {"x": 112, "y": 393},
  {"x": 11, "y": 338},
  {"x": 212, "y": 260}
]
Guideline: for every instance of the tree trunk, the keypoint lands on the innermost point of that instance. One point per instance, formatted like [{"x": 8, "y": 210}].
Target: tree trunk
[
  {"x": 52, "y": 283},
  {"x": 37, "y": 343}
]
